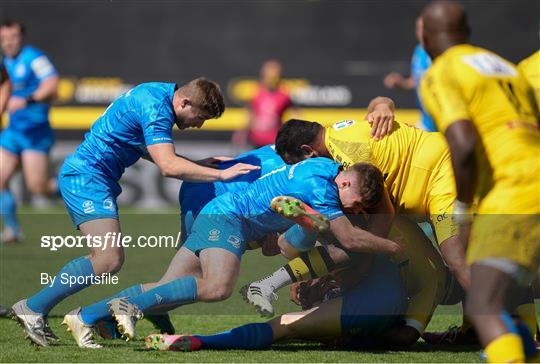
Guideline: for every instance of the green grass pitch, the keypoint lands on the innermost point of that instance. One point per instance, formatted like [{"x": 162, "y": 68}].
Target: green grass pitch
[{"x": 21, "y": 265}]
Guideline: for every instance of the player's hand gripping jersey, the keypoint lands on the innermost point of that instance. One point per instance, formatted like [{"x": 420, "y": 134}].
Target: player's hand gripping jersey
[
  {"x": 471, "y": 83},
  {"x": 416, "y": 166}
]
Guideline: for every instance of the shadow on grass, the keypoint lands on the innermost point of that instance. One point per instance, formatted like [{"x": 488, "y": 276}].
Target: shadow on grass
[{"x": 298, "y": 346}]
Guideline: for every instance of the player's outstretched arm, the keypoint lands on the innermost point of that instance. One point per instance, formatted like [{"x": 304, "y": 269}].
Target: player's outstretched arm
[
  {"x": 174, "y": 166},
  {"x": 361, "y": 241}
]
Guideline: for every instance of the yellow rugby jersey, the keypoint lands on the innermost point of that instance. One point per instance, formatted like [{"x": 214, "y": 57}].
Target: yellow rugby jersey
[
  {"x": 472, "y": 83},
  {"x": 530, "y": 68},
  {"x": 406, "y": 153}
]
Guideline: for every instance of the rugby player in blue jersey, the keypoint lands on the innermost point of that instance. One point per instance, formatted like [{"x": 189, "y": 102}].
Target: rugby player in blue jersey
[
  {"x": 137, "y": 124},
  {"x": 206, "y": 267},
  {"x": 5, "y": 92},
  {"x": 193, "y": 197},
  {"x": 29, "y": 137}
]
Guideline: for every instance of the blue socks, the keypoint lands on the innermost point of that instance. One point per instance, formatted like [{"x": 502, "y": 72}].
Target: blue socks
[
  {"x": 522, "y": 330},
  {"x": 48, "y": 297},
  {"x": 248, "y": 337},
  {"x": 100, "y": 310},
  {"x": 8, "y": 209},
  {"x": 301, "y": 239},
  {"x": 178, "y": 292}
]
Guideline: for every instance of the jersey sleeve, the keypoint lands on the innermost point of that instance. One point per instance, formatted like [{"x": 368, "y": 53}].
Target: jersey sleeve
[
  {"x": 442, "y": 95},
  {"x": 157, "y": 126},
  {"x": 42, "y": 67}
]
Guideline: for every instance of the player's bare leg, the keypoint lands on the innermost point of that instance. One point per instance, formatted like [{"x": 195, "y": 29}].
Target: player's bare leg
[
  {"x": 8, "y": 166},
  {"x": 319, "y": 323},
  {"x": 35, "y": 166},
  {"x": 219, "y": 269},
  {"x": 491, "y": 299},
  {"x": 104, "y": 259}
]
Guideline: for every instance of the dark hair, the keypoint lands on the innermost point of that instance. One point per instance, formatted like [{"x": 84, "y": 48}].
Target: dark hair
[
  {"x": 292, "y": 135},
  {"x": 13, "y": 23},
  {"x": 370, "y": 182},
  {"x": 206, "y": 95}
]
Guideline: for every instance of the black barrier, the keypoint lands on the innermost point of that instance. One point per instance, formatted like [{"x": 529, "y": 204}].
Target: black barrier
[{"x": 342, "y": 49}]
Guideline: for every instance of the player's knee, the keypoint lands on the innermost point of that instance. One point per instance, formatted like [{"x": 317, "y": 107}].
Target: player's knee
[
  {"x": 108, "y": 263},
  {"x": 214, "y": 292}
]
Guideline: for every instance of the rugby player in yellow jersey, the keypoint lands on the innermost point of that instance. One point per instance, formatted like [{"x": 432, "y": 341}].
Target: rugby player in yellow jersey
[
  {"x": 530, "y": 67},
  {"x": 418, "y": 174},
  {"x": 487, "y": 112},
  {"x": 416, "y": 166}
]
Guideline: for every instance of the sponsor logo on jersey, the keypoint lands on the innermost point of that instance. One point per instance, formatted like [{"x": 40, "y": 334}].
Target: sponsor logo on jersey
[
  {"x": 234, "y": 241},
  {"x": 490, "y": 64},
  {"x": 213, "y": 235},
  {"x": 88, "y": 206},
  {"x": 343, "y": 124},
  {"x": 441, "y": 217},
  {"x": 108, "y": 204}
]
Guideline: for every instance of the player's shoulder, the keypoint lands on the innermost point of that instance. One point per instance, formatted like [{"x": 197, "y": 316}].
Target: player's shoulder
[
  {"x": 316, "y": 167},
  {"x": 153, "y": 92},
  {"x": 348, "y": 129},
  {"x": 467, "y": 60},
  {"x": 153, "y": 87},
  {"x": 30, "y": 52},
  {"x": 532, "y": 60}
]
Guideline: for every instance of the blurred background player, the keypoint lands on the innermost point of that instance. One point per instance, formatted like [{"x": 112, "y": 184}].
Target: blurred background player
[
  {"x": 266, "y": 110},
  {"x": 138, "y": 124},
  {"x": 420, "y": 62},
  {"x": 5, "y": 92},
  {"x": 29, "y": 137},
  {"x": 486, "y": 110}
]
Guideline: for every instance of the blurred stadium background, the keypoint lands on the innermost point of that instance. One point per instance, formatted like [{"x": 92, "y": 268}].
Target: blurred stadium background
[{"x": 334, "y": 55}]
